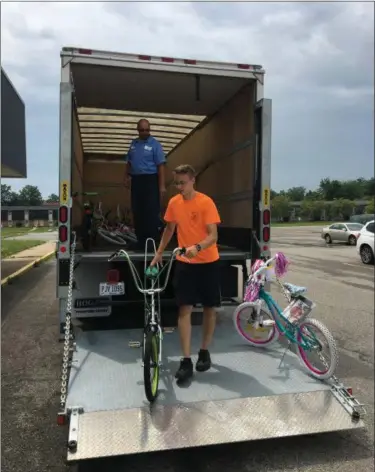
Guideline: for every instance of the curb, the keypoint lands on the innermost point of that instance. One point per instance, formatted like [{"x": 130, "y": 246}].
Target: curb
[{"x": 26, "y": 268}]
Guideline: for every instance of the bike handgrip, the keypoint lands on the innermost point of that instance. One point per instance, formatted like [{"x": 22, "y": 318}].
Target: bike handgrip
[
  {"x": 152, "y": 271},
  {"x": 182, "y": 251}
]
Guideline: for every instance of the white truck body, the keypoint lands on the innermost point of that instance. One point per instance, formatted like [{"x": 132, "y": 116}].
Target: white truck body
[{"x": 213, "y": 116}]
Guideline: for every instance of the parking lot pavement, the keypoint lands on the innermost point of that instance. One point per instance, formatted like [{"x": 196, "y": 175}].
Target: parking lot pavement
[{"x": 338, "y": 282}]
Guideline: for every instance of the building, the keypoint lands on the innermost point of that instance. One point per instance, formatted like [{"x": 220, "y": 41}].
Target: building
[{"x": 13, "y": 131}]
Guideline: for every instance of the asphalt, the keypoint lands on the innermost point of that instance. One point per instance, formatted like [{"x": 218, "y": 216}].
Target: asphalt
[
  {"x": 338, "y": 282},
  {"x": 9, "y": 267}
]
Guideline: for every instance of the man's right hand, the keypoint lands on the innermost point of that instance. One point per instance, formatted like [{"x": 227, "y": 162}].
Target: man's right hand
[{"x": 157, "y": 259}]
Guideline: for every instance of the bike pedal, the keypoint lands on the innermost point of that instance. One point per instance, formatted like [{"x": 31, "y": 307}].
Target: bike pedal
[{"x": 168, "y": 330}]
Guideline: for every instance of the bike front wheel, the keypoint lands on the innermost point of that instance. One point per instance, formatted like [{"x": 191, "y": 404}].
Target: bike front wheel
[
  {"x": 151, "y": 368},
  {"x": 318, "y": 352},
  {"x": 263, "y": 335}
]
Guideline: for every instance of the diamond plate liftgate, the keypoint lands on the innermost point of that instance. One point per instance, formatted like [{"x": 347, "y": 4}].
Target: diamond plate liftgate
[{"x": 247, "y": 395}]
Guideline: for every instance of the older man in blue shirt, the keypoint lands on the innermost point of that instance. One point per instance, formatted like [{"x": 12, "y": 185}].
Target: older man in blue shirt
[{"x": 145, "y": 169}]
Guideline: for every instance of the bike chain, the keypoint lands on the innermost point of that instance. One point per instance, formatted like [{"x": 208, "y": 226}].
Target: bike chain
[{"x": 67, "y": 329}]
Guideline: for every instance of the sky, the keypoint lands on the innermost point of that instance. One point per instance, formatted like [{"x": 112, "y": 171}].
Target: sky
[{"x": 318, "y": 57}]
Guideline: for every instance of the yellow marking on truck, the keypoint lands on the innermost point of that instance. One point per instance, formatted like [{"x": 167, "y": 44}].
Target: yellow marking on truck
[
  {"x": 64, "y": 192},
  {"x": 266, "y": 197}
]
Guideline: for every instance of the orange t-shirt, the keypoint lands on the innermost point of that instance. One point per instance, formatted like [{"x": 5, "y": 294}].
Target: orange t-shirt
[{"x": 192, "y": 217}]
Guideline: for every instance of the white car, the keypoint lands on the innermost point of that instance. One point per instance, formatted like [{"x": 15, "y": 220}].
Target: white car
[{"x": 365, "y": 243}]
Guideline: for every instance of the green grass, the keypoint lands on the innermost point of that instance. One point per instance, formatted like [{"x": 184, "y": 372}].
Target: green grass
[
  {"x": 10, "y": 247},
  {"x": 302, "y": 223},
  {"x": 11, "y": 232}
]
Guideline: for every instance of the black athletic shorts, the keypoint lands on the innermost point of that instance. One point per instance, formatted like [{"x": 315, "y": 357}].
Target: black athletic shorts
[{"x": 197, "y": 283}]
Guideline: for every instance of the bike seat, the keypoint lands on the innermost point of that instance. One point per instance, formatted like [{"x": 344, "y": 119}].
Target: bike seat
[{"x": 294, "y": 290}]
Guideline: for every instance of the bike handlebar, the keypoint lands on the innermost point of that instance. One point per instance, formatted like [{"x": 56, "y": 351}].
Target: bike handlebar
[
  {"x": 136, "y": 277},
  {"x": 264, "y": 267}
]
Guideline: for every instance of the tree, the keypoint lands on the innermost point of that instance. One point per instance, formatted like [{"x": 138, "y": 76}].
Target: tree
[
  {"x": 343, "y": 208},
  {"x": 8, "y": 196},
  {"x": 280, "y": 207},
  {"x": 330, "y": 189},
  {"x": 53, "y": 198},
  {"x": 30, "y": 195},
  {"x": 296, "y": 194},
  {"x": 371, "y": 206},
  {"x": 312, "y": 210}
]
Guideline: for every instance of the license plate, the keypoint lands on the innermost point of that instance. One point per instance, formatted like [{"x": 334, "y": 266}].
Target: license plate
[{"x": 106, "y": 289}]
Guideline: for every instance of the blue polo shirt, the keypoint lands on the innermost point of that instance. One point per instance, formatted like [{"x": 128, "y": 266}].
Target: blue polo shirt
[{"x": 145, "y": 156}]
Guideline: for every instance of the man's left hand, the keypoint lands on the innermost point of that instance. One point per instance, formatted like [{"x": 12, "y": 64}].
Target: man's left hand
[{"x": 191, "y": 252}]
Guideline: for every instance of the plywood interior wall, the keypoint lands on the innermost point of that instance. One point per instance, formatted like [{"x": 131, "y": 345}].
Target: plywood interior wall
[
  {"x": 229, "y": 172},
  {"x": 77, "y": 173},
  {"x": 108, "y": 180}
]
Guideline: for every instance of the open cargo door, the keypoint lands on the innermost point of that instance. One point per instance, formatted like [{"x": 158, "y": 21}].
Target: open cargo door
[{"x": 262, "y": 173}]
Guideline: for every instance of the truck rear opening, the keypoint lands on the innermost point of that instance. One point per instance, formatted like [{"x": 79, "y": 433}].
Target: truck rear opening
[{"x": 203, "y": 115}]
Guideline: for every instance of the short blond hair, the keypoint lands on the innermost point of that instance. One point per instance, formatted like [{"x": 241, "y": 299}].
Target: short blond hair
[{"x": 185, "y": 169}]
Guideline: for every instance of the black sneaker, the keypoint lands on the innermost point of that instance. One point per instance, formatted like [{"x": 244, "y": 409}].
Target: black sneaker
[
  {"x": 204, "y": 361},
  {"x": 185, "y": 370}
]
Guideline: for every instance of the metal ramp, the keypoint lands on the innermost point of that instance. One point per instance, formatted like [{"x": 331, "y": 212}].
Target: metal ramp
[{"x": 247, "y": 395}]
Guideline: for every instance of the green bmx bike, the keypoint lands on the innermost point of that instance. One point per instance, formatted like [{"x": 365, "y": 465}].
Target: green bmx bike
[{"x": 152, "y": 331}]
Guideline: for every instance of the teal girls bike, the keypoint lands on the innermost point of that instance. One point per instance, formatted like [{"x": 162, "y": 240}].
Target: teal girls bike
[{"x": 261, "y": 322}]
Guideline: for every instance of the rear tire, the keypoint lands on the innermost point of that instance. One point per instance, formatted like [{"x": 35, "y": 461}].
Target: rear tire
[
  {"x": 250, "y": 335},
  {"x": 328, "y": 239},
  {"x": 352, "y": 241},
  {"x": 151, "y": 362},
  {"x": 331, "y": 368},
  {"x": 367, "y": 256},
  {"x": 110, "y": 238}
]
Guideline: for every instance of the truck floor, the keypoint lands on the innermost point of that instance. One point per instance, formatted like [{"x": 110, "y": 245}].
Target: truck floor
[{"x": 246, "y": 395}]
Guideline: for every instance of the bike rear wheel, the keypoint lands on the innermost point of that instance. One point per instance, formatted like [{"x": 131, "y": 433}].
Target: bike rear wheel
[
  {"x": 111, "y": 237},
  {"x": 151, "y": 368},
  {"x": 313, "y": 359},
  {"x": 244, "y": 323}
]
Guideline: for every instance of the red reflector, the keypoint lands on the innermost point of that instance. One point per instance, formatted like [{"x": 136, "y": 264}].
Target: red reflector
[
  {"x": 63, "y": 249},
  {"x": 167, "y": 59},
  {"x": 243, "y": 66},
  {"x": 63, "y": 234},
  {"x": 113, "y": 276},
  {"x": 63, "y": 214},
  {"x": 266, "y": 217},
  {"x": 350, "y": 391},
  {"x": 144, "y": 58},
  {"x": 266, "y": 234},
  {"x": 85, "y": 51},
  {"x": 191, "y": 62},
  {"x": 265, "y": 248},
  {"x": 61, "y": 419}
]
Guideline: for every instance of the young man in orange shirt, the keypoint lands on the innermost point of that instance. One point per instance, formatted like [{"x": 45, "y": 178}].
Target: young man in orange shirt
[{"x": 197, "y": 277}]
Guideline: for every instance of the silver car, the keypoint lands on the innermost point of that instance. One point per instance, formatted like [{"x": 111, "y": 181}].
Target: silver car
[{"x": 342, "y": 232}]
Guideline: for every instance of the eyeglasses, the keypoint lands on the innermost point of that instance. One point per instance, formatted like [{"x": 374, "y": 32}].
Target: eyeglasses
[{"x": 143, "y": 129}]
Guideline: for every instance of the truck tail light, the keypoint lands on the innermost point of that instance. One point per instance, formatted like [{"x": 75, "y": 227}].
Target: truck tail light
[
  {"x": 63, "y": 214},
  {"x": 266, "y": 217},
  {"x": 266, "y": 234},
  {"x": 63, "y": 234},
  {"x": 113, "y": 276}
]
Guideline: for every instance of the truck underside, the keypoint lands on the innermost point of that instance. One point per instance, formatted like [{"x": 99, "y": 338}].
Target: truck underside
[
  {"x": 248, "y": 394},
  {"x": 214, "y": 117}
]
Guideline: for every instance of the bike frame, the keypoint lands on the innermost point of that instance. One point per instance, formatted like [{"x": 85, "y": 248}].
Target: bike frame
[{"x": 283, "y": 325}]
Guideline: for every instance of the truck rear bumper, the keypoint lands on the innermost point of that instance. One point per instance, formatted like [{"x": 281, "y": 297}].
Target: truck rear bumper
[{"x": 247, "y": 395}]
